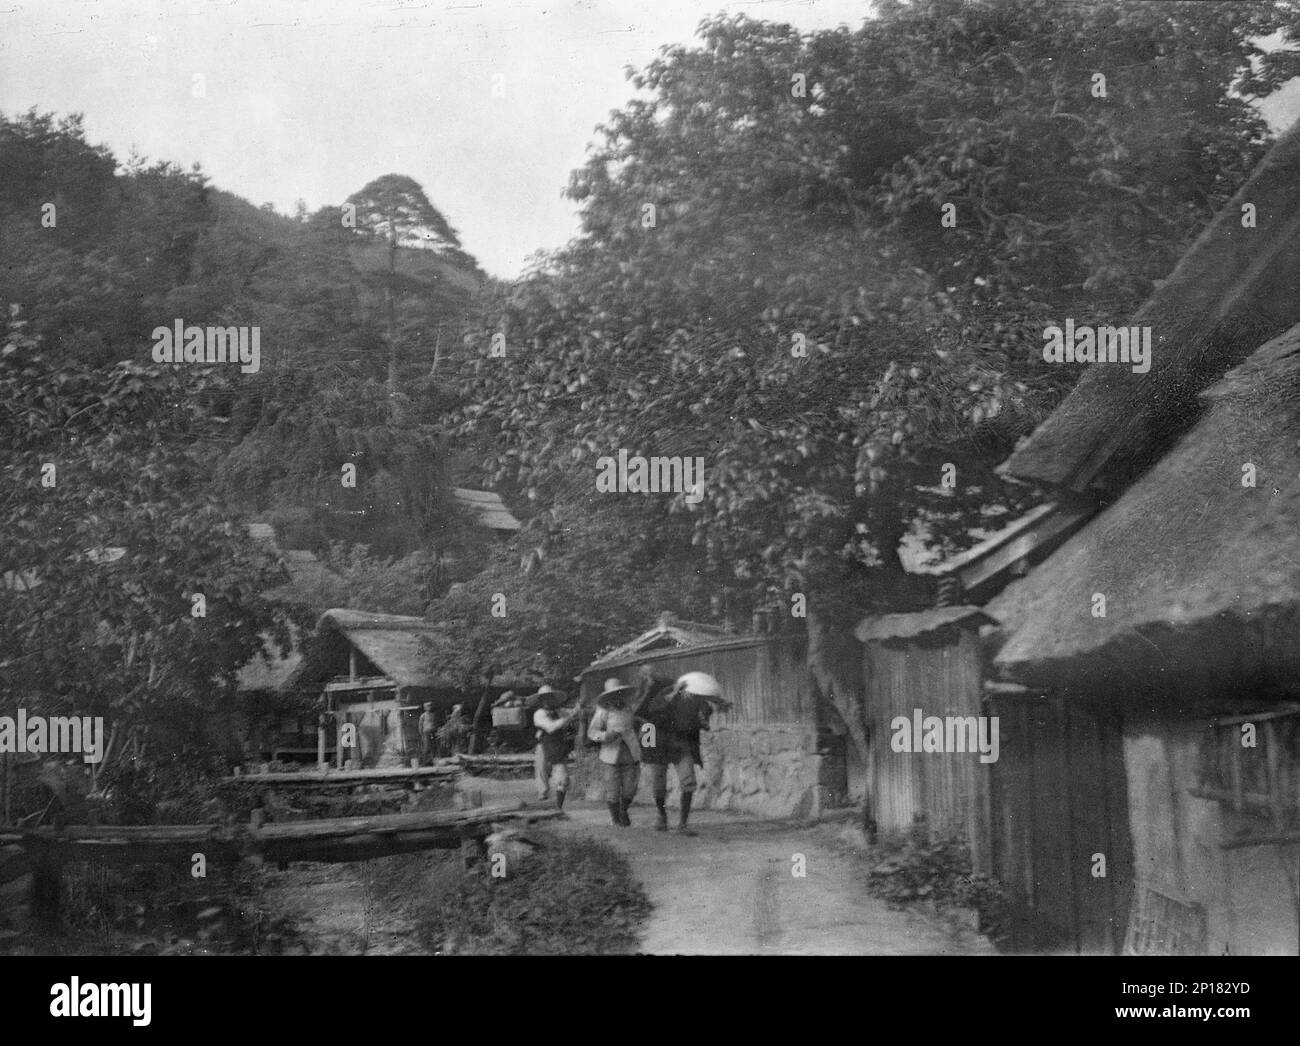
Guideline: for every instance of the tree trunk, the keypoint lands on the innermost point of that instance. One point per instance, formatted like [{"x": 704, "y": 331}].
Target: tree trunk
[
  {"x": 836, "y": 664},
  {"x": 391, "y": 307}
]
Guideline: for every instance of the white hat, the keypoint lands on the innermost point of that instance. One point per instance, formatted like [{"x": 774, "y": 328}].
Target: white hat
[{"x": 614, "y": 687}]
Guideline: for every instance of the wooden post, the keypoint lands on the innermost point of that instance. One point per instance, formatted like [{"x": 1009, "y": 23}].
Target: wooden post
[
  {"x": 320, "y": 743},
  {"x": 478, "y": 718},
  {"x": 401, "y": 722}
]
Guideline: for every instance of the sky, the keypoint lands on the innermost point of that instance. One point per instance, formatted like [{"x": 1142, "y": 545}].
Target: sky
[
  {"x": 314, "y": 99},
  {"x": 489, "y": 105}
]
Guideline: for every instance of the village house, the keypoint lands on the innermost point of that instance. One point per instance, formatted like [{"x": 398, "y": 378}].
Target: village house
[
  {"x": 276, "y": 724},
  {"x": 1147, "y": 799},
  {"x": 371, "y": 672}
]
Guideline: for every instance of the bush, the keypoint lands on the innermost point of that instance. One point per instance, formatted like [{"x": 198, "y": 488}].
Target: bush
[
  {"x": 572, "y": 897},
  {"x": 917, "y": 869},
  {"x": 176, "y": 789}
]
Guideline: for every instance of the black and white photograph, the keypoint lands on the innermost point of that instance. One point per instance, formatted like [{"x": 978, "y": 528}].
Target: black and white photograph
[{"x": 594, "y": 478}]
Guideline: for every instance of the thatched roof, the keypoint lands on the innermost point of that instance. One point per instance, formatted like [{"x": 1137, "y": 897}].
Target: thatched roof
[
  {"x": 397, "y": 645},
  {"x": 1201, "y": 575},
  {"x": 394, "y": 644},
  {"x": 1234, "y": 289}
]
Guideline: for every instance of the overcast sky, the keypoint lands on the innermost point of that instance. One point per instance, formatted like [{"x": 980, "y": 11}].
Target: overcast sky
[{"x": 313, "y": 99}]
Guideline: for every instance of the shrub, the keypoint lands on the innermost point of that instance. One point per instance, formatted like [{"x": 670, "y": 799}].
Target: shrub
[
  {"x": 915, "y": 868},
  {"x": 573, "y": 897}
]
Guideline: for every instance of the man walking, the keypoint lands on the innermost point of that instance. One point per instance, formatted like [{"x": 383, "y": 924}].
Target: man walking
[
  {"x": 673, "y": 716},
  {"x": 614, "y": 729},
  {"x": 553, "y": 744}
]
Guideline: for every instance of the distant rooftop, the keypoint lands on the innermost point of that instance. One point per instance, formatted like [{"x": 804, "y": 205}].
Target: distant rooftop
[{"x": 488, "y": 508}]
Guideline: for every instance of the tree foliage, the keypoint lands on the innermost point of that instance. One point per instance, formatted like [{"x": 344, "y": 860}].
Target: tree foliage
[
  {"x": 112, "y": 532},
  {"x": 770, "y": 191}
]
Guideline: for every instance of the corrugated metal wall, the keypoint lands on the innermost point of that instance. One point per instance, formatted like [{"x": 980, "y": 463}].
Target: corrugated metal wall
[
  {"x": 766, "y": 682},
  {"x": 941, "y": 674}
]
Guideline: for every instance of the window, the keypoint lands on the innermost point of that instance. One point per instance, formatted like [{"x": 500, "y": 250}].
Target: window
[{"x": 1251, "y": 764}]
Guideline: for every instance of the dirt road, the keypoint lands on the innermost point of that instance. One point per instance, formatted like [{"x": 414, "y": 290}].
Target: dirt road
[{"x": 732, "y": 890}]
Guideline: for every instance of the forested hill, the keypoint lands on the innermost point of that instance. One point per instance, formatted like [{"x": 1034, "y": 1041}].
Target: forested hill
[{"x": 99, "y": 252}]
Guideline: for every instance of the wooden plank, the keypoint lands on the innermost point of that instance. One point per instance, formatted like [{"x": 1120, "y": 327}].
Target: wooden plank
[
  {"x": 1121, "y": 873},
  {"x": 1273, "y": 753},
  {"x": 378, "y": 822},
  {"x": 1235, "y": 764},
  {"x": 335, "y": 839},
  {"x": 345, "y": 777},
  {"x": 1280, "y": 712},
  {"x": 1281, "y": 839},
  {"x": 343, "y": 686},
  {"x": 1089, "y": 832},
  {"x": 127, "y": 833},
  {"x": 504, "y": 759},
  {"x": 1042, "y": 530}
]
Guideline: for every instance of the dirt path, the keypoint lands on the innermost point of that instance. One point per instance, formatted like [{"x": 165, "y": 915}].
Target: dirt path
[{"x": 731, "y": 891}]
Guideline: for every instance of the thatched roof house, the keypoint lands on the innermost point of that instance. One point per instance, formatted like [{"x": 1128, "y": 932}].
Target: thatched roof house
[
  {"x": 1157, "y": 723},
  {"x": 371, "y": 671},
  {"x": 392, "y": 646}
]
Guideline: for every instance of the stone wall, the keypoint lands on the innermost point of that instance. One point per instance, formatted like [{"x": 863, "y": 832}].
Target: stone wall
[{"x": 772, "y": 770}]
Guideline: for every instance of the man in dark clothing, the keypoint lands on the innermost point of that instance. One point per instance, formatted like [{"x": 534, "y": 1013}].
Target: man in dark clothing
[{"x": 672, "y": 716}]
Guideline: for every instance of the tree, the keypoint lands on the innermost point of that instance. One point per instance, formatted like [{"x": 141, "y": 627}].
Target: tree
[
  {"x": 128, "y": 591},
  {"x": 576, "y": 583},
  {"x": 764, "y": 277},
  {"x": 395, "y": 211}
]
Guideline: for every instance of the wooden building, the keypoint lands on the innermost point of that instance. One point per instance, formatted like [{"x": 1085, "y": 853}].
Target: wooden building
[
  {"x": 778, "y": 751},
  {"x": 927, "y": 663},
  {"x": 372, "y": 671},
  {"x": 1148, "y": 794}
]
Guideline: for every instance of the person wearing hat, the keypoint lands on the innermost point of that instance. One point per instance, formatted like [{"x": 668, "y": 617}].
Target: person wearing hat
[
  {"x": 675, "y": 713},
  {"x": 613, "y": 727},
  {"x": 428, "y": 728},
  {"x": 553, "y": 743}
]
